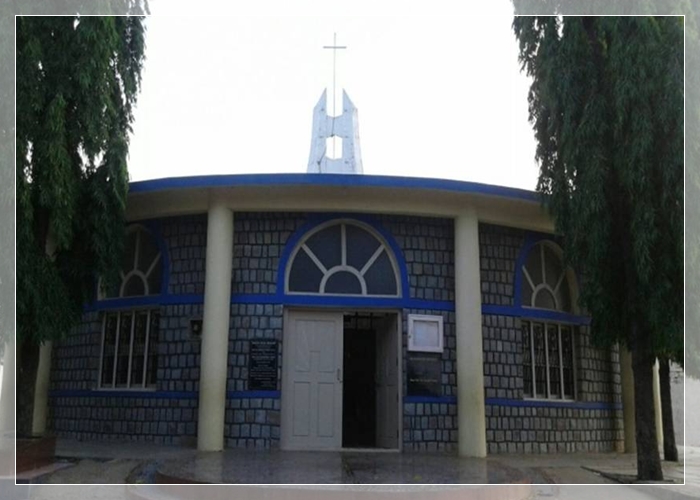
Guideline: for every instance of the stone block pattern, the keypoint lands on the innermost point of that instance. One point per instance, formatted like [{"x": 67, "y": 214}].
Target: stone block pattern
[
  {"x": 75, "y": 363},
  {"x": 185, "y": 237},
  {"x": 432, "y": 426},
  {"x": 551, "y": 430},
  {"x": 547, "y": 429},
  {"x": 252, "y": 423},
  {"x": 503, "y": 356},
  {"x": 148, "y": 416},
  {"x": 104, "y": 417},
  {"x": 427, "y": 244},
  {"x": 499, "y": 248},
  {"x": 178, "y": 349},
  {"x": 542, "y": 429},
  {"x": 429, "y": 426},
  {"x": 259, "y": 239}
]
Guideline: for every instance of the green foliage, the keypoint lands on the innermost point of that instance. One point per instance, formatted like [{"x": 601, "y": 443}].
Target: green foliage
[
  {"x": 607, "y": 107},
  {"x": 77, "y": 81}
]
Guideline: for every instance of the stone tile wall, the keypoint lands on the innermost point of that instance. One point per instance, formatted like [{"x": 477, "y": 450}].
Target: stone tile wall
[{"x": 511, "y": 427}]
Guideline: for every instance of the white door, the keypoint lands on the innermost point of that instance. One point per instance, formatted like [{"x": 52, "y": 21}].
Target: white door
[
  {"x": 312, "y": 389},
  {"x": 387, "y": 388}
]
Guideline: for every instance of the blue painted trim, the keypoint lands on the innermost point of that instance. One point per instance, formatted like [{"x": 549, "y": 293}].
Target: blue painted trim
[
  {"x": 270, "y": 180},
  {"x": 253, "y": 394},
  {"x": 315, "y": 220},
  {"x": 532, "y": 313},
  {"x": 98, "y": 393},
  {"x": 531, "y": 240},
  {"x": 154, "y": 227},
  {"x": 153, "y": 300},
  {"x": 450, "y": 400},
  {"x": 529, "y": 403},
  {"x": 287, "y": 300},
  {"x": 343, "y": 301}
]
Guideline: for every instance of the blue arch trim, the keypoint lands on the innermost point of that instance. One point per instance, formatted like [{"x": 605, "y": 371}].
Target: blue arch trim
[
  {"x": 154, "y": 227},
  {"x": 531, "y": 240},
  {"x": 315, "y": 220},
  {"x": 345, "y": 180}
]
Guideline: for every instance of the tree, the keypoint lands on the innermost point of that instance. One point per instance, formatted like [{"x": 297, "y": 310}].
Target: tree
[
  {"x": 77, "y": 81},
  {"x": 606, "y": 105}
]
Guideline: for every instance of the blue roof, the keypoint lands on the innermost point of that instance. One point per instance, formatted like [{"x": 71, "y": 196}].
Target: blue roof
[{"x": 346, "y": 180}]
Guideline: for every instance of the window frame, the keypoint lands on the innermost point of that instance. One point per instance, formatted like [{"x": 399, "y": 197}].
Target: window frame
[
  {"x": 147, "y": 345},
  {"x": 548, "y": 397},
  {"x": 384, "y": 247},
  {"x": 558, "y": 316}
]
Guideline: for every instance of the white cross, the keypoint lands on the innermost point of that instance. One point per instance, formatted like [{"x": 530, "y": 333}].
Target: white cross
[{"x": 335, "y": 47}]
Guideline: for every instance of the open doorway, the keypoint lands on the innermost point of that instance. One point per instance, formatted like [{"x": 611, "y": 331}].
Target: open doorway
[{"x": 370, "y": 380}]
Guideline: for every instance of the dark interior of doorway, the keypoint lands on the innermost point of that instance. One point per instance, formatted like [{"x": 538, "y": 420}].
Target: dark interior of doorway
[{"x": 359, "y": 389}]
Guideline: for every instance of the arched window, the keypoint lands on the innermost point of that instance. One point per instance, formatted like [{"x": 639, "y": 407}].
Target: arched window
[
  {"x": 545, "y": 284},
  {"x": 548, "y": 346},
  {"x": 141, "y": 271},
  {"x": 130, "y": 337},
  {"x": 343, "y": 258}
]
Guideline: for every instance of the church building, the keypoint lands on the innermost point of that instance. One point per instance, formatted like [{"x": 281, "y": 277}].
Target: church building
[{"x": 334, "y": 310}]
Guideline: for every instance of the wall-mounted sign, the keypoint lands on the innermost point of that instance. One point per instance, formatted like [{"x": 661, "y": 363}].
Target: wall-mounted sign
[
  {"x": 262, "y": 365},
  {"x": 424, "y": 373}
]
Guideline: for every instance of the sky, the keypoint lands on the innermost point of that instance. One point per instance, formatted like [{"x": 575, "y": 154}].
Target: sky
[{"x": 437, "y": 95}]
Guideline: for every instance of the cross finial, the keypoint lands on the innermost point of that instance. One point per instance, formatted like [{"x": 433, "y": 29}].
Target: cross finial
[{"x": 335, "y": 47}]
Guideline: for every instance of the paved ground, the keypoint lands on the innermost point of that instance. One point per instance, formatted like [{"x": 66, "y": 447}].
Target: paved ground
[{"x": 120, "y": 463}]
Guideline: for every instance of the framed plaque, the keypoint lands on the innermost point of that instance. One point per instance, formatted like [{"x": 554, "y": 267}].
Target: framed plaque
[
  {"x": 424, "y": 374},
  {"x": 262, "y": 365}
]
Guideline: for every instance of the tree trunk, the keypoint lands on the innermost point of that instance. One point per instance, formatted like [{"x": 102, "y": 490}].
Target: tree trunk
[
  {"x": 27, "y": 363},
  {"x": 670, "y": 450},
  {"x": 648, "y": 459}
]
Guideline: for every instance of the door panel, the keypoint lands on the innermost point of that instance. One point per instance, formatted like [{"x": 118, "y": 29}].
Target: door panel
[
  {"x": 312, "y": 392},
  {"x": 387, "y": 385}
]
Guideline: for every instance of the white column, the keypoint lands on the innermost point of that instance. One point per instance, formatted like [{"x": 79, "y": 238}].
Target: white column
[
  {"x": 7, "y": 392},
  {"x": 217, "y": 309},
  {"x": 41, "y": 390},
  {"x": 471, "y": 411},
  {"x": 627, "y": 382},
  {"x": 657, "y": 407}
]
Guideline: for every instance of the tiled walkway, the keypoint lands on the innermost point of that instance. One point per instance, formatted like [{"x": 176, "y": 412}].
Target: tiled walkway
[{"x": 284, "y": 467}]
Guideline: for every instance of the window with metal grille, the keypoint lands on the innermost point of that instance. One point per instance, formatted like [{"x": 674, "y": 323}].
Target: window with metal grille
[
  {"x": 130, "y": 349},
  {"x": 548, "y": 360},
  {"x": 128, "y": 356},
  {"x": 548, "y": 346}
]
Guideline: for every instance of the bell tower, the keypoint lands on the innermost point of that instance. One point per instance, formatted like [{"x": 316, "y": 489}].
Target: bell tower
[{"x": 335, "y": 139}]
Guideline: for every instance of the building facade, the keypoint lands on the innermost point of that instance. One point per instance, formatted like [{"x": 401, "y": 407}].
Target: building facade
[
  {"x": 333, "y": 310},
  {"x": 329, "y": 311}
]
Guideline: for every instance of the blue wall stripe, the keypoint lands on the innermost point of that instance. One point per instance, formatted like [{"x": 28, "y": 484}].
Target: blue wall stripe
[
  {"x": 345, "y": 180},
  {"x": 515, "y": 403},
  {"x": 154, "y": 300},
  {"x": 532, "y": 313},
  {"x": 253, "y": 394},
  {"x": 338, "y": 301},
  {"x": 430, "y": 399},
  {"x": 530, "y": 403},
  {"x": 98, "y": 393}
]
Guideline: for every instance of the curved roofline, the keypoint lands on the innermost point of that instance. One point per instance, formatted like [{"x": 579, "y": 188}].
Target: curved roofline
[{"x": 347, "y": 180}]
